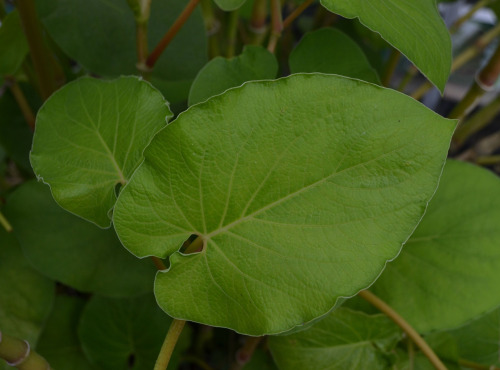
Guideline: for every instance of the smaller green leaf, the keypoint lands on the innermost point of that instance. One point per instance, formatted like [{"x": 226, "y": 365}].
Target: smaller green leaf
[
  {"x": 345, "y": 339},
  {"x": 413, "y": 27},
  {"x": 74, "y": 251},
  {"x": 229, "y": 5},
  {"x": 59, "y": 342},
  {"x": 220, "y": 74},
  {"x": 25, "y": 295},
  {"x": 89, "y": 138},
  {"x": 478, "y": 341},
  {"x": 13, "y": 44},
  {"x": 331, "y": 51},
  {"x": 121, "y": 334},
  {"x": 455, "y": 245}
]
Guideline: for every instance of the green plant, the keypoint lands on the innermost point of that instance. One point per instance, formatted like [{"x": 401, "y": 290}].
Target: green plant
[{"x": 263, "y": 206}]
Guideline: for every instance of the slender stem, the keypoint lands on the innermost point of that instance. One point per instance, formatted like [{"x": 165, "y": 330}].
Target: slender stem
[
  {"x": 18, "y": 353},
  {"x": 170, "y": 34},
  {"x": 38, "y": 50},
  {"x": 403, "y": 324},
  {"x": 244, "y": 354},
  {"x": 462, "y": 58},
  {"x": 411, "y": 354},
  {"x": 458, "y": 23},
  {"x": 158, "y": 263},
  {"x": 276, "y": 24},
  {"x": 22, "y": 102},
  {"x": 5, "y": 223},
  {"x": 483, "y": 83},
  {"x": 258, "y": 21},
  {"x": 298, "y": 11},
  {"x": 169, "y": 343},
  {"x": 476, "y": 122},
  {"x": 474, "y": 365},
  {"x": 412, "y": 71},
  {"x": 141, "y": 10},
  {"x": 212, "y": 27},
  {"x": 488, "y": 160},
  {"x": 392, "y": 63},
  {"x": 232, "y": 29}
]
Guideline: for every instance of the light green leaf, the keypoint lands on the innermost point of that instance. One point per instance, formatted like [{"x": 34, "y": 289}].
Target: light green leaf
[
  {"x": 220, "y": 74},
  {"x": 449, "y": 268},
  {"x": 413, "y": 27},
  {"x": 59, "y": 342},
  {"x": 89, "y": 138},
  {"x": 121, "y": 334},
  {"x": 331, "y": 51},
  {"x": 108, "y": 47},
  {"x": 60, "y": 244},
  {"x": 13, "y": 44},
  {"x": 301, "y": 188},
  {"x": 25, "y": 295},
  {"x": 479, "y": 340},
  {"x": 345, "y": 339},
  {"x": 229, "y": 5}
]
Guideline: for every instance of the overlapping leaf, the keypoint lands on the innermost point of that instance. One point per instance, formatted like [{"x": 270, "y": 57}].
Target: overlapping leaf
[
  {"x": 413, "y": 27},
  {"x": 331, "y": 51},
  {"x": 301, "y": 189},
  {"x": 255, "y": 63},
  {"x": 345, "y": 339},
  {"x": 74, "y": 251},
  {"x": 449, "y": 270},
  {"x": 13, "y": 44},
  {"x": 89, "y": 138}
]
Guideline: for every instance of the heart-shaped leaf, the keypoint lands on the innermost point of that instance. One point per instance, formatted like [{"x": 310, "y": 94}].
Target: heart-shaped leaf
[
  {"x": 25, "y": 295},
  {"x": 220, "y": 74},
  {"x": 59, "y": 342},
  {"x": 331, "y": 51},
  {"x": 455, "y": 245},
  {"x": 301, "y": 189},
  {"x": 74, "y": 251},
  {"x": 345, "y": 339},
  {"x": 413, "y": 27},
  {"x": 126, "y": 333},
  {"x": 89, "y": 138}
]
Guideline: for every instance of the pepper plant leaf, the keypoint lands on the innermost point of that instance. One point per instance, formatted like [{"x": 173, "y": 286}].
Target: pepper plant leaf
[
  {"x": 89, "y": 138},
  {"x": 60, "y": 244},
  {"x": 345, "y": 339},
  {"x": 413, "y": 27},
  {"x": 331, "y": 51},
  {"x": 301, "y": 189},
  {"x": 455, "y": 245},
  {"x": 220, "y": 74}
]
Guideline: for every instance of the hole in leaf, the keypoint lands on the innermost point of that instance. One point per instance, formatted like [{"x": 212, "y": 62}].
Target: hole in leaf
[
  {"x": 131, "y": 361},
  {"x": 118, "y": 188},
  {"x": 187, "y": 248}
]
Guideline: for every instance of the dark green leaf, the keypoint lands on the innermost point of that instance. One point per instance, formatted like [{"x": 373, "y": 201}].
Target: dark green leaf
[
  {"x": 74, "y": 251},
  {"x": 13, "y": 44},
  {"x": 331, "y": 51}
]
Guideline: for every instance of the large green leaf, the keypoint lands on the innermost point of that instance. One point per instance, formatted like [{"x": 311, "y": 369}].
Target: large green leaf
[
  {"x": 59, "y": 342},
  {"x": 25, "y": 295},
  {"x": 449, "y": 270},
  {"x": 331, "y": 51},
  {"x": 108, "y": 46},
  {"x": 301, "y": 189},
  {"x": 345, "y": 339},
  {"x": 220, "y": 74},
  {"x": 89, "y": 138},
  {"x": 121, "y": 334},
  {"x": 479, "y": 340},
  {"x": 13, "y": 44},
  {"x": 74, "y": 251},
  {"x": 229, "y": 5},
  {"x": 413, "y": 27}
]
